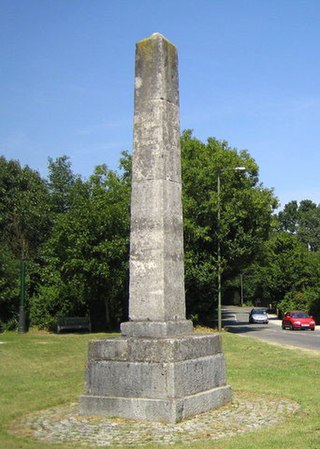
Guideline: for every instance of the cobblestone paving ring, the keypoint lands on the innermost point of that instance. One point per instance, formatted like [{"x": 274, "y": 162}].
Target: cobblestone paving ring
[{"x": 65, "y": 425}]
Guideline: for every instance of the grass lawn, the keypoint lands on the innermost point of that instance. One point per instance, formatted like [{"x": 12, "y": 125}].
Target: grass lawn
[{"x": 40, "y": 370}]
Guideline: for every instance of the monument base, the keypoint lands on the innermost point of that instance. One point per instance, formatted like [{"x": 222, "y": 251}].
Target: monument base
[
  {"x": 155, "y": 379},
  {"x": 156, "y": 329},
  {"x": 160, "y": 410}
]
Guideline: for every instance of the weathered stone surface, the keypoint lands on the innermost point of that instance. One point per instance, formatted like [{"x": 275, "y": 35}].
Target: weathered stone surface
[
  {"x": 155, "y": 368},
  {"x": 156, "y": 329},
  {"x": 155, "y": 380},
  {"x": 156, "y": 75},
  {"x": 168, "y": 410},
  {"x": 155, "y": 125},
  {"x": 156, "y": 240},
  {"x": 158, "y": 370},
  {"x": 165, "y": 379},
  {"x": 155, "y": 350}
]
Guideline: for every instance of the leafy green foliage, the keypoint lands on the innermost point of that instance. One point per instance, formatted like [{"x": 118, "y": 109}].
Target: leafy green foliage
[
  {"x": 307, "y": 300},
  {"x": 24, "y": 210},
  {"x": 74, "y": 234},
  {"x": 9, "y": 270},
  {"x": 245, "y": 216},
  {"x": 286, "y": 275},
  {"x": 87, "y": 252},
  {"x": 24, "y": 225},
  {"x": 61, "y": 182},
  {"x": 303, "y": 220}
]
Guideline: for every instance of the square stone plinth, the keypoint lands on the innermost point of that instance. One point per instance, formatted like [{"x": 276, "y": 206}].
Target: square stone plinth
[{"x": 165, "y": 379}]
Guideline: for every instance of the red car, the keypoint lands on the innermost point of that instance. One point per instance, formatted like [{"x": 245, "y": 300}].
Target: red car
[{"x": 298, "y": 320}]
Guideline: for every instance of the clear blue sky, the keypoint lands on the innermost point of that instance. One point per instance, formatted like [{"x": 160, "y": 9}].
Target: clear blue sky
[{"x": 249, "y": 74}]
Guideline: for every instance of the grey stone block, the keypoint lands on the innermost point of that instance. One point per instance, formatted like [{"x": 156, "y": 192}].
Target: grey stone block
[
  {"x": 155, "y": 380},
  {"x": 156, "y": 253},
  {"x": 153, "y": 161},
  {"x": 156, "y": 240},
  {"x": 156, "y": 70},
  {"x": 171, "y": 377},
  {"x": 205, "y": 401},
  {"x": 169, "y": 410},
  {"x": 108, "y": 349},
  {"x": 156, "y": 329},
  {"x": 155, "y": 349}
]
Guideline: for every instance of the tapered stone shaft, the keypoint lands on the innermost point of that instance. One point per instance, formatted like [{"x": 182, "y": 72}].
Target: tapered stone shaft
[
  {"x": 156, "y": 253},
  {"x": 158, "y": 370}
]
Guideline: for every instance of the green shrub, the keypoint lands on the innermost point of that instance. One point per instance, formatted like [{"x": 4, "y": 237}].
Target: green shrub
[{"x": 307, "y": 300}]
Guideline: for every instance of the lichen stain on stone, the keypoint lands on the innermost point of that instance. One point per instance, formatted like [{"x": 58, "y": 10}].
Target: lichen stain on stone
[
  {"x": 147, "y": 46},
  {"x": 138, "y": 82}
]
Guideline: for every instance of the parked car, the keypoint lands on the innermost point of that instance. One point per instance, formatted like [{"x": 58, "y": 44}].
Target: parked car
[
  {"x": 297, "y": 319},
  {"x": 258, "y": 316}
]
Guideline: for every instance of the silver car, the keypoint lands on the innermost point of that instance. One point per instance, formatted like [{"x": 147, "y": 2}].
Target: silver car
[{"x": 258, "y": 316}]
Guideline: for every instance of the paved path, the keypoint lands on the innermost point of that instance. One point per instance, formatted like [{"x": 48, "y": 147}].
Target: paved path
[
  {"x": 236, "y": 320},
  {"x": 64, "y": 425}
]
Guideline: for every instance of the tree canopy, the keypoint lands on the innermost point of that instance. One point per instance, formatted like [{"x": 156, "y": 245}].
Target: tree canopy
[
  {"x": 74, "y": 235},
  {"x": 246, "y": 208},
  {"x": 303, "y": 220}
]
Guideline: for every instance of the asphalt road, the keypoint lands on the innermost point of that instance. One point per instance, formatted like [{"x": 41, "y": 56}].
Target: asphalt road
[{"x": 236, "y": 320}]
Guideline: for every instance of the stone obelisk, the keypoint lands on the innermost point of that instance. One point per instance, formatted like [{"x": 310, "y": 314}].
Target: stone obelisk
[
  {"x": 157, "y": 298},
  {"x": 157, "y": 370}
]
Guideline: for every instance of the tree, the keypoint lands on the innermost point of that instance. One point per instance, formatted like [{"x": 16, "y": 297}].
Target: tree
[
  {"x": 9, "y": 288},
  {"x": 303, "y": 220},
  {"x": 282, "y": 268},
  {"x": 24, "y": 219},
  {"x": 61, "y": 182},
  {"x": 24, "y": 208},
  {"x": 246, "y": 214},
  {"x": 76, "y": 232},
  {"x": 87, "y": 254},
  {"x": 286, "y": 275}
]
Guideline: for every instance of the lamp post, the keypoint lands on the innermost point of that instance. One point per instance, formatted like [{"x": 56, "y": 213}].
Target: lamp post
[
  {"x": 22, "y": 312},
  {"x": 241, "y": 289},
  {"x": 219, "y": 246},
  {"x": 219, "y": 256}
]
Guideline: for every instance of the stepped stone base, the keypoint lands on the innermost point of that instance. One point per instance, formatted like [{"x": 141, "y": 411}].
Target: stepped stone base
[
  {"x": 156, "y": 329},
  {"x": 155, "y": 379}
]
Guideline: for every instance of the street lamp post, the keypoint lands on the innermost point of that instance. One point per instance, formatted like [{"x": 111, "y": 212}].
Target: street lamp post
[
  {"x": 22, "y": 312},
  {"x": 219, "y": 247},
  {"x": 241, "y": 289},
  {"x": 219, "y": 256}
]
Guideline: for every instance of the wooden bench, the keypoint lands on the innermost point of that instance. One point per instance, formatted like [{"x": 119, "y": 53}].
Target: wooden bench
[{"x": 73, "y": 323}]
